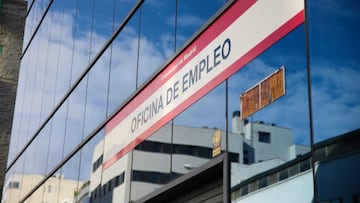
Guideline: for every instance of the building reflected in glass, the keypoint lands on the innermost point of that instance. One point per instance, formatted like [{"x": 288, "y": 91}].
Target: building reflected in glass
[{"x": 127, "y": 101}]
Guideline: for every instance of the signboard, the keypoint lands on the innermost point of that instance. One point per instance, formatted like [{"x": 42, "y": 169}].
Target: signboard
[
  {"x": 263, "y": 93},
  {"x": 242, "y": 32},
  {"x": 216, "y": 140}
]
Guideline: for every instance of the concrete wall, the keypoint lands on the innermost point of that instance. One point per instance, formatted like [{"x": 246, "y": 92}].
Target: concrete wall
[
  {"x": 278, "y": 148},
  {"x": 51, "y": 192},
  {"x": 12, "y": 19},
  {"x": 297, "y": 189},
  {"x": 296, "y": 150}
]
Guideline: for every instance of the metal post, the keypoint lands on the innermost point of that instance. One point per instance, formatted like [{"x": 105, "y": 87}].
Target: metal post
[
  {"x": 306, "y": 23},
  {"x": 226, "y": 174}
]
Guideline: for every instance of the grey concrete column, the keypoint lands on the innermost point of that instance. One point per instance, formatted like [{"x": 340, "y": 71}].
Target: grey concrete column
[{"x": 12, "y": 18}]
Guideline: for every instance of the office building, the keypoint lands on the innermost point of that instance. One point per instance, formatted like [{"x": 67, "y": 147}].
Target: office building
[
  {"x": 249, "y": 154},
  {"x": 118, "y": 95},
  {"x": 57, "y": 188},
  {"x": 340, "y": 153}
]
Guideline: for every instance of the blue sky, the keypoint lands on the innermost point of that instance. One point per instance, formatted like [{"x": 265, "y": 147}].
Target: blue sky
[
  {"x": 335, "y": 65},
  {"x": 335, "y": 70}
]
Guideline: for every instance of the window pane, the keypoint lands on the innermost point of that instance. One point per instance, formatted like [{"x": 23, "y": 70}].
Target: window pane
[
  {"x": 57, "y": 133},
  {"x": 62, "y": 41},
  {"x": 264, "y": 137},
  {"x": 273, "y": 178},
  {"x": 283, "y": 174},
  {"x": 74, "y": 119},
  {"x": 53, "y": 183},
  {"x": 151, "y": 167},
  {"x": 122, "y": 78},
  {"x": 335, "y": 69},
  {"x": 153, "y": 49},
  {"x": 293, "y": 170},
  {"x": 192, "y": 17},
  {"x": 69, "y": 183},
  {"x": 194, "y": 131},
  {"x": 17, "y": 175},
  {"x": 29, "y": 178},
  {"x": 90, "y": 177},
  {"x": 83, "y": 36},
  {"x": 244, "y": 190},
  {"x": 37, "y": 196},
  {"x": 17, "y": 131},
  {"x": 54, "y": 45},
  {"x": 9, "y": 192},
  {"x": 102, "y": 25},
  {"x": 274, "y": 130},
  {"x": 263, "y": 182},
  {"x": 261, "y": 100},
  {"x": 96, "y": 94},
  {"x": 305, "y": 165}
]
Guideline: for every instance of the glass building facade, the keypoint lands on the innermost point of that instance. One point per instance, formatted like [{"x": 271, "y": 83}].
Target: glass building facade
[{"x": 85, "y": 62}]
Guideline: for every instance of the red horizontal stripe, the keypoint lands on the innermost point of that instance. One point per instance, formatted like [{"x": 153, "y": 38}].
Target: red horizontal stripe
[
  {"x": 237, "y": 65},
  {"x": 210, "y": 33}
]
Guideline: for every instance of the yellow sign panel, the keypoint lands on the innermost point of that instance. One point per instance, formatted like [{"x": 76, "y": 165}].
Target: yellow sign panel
[
  {"x": 216, "y": 140},
  {"x": 263, "y": 93}
]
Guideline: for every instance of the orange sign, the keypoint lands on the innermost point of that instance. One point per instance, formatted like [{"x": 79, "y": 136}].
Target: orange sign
[{"x": 263, "y": 93}]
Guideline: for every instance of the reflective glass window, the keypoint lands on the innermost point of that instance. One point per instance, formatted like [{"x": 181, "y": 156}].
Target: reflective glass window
[{"x": 334, "y": 69}]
